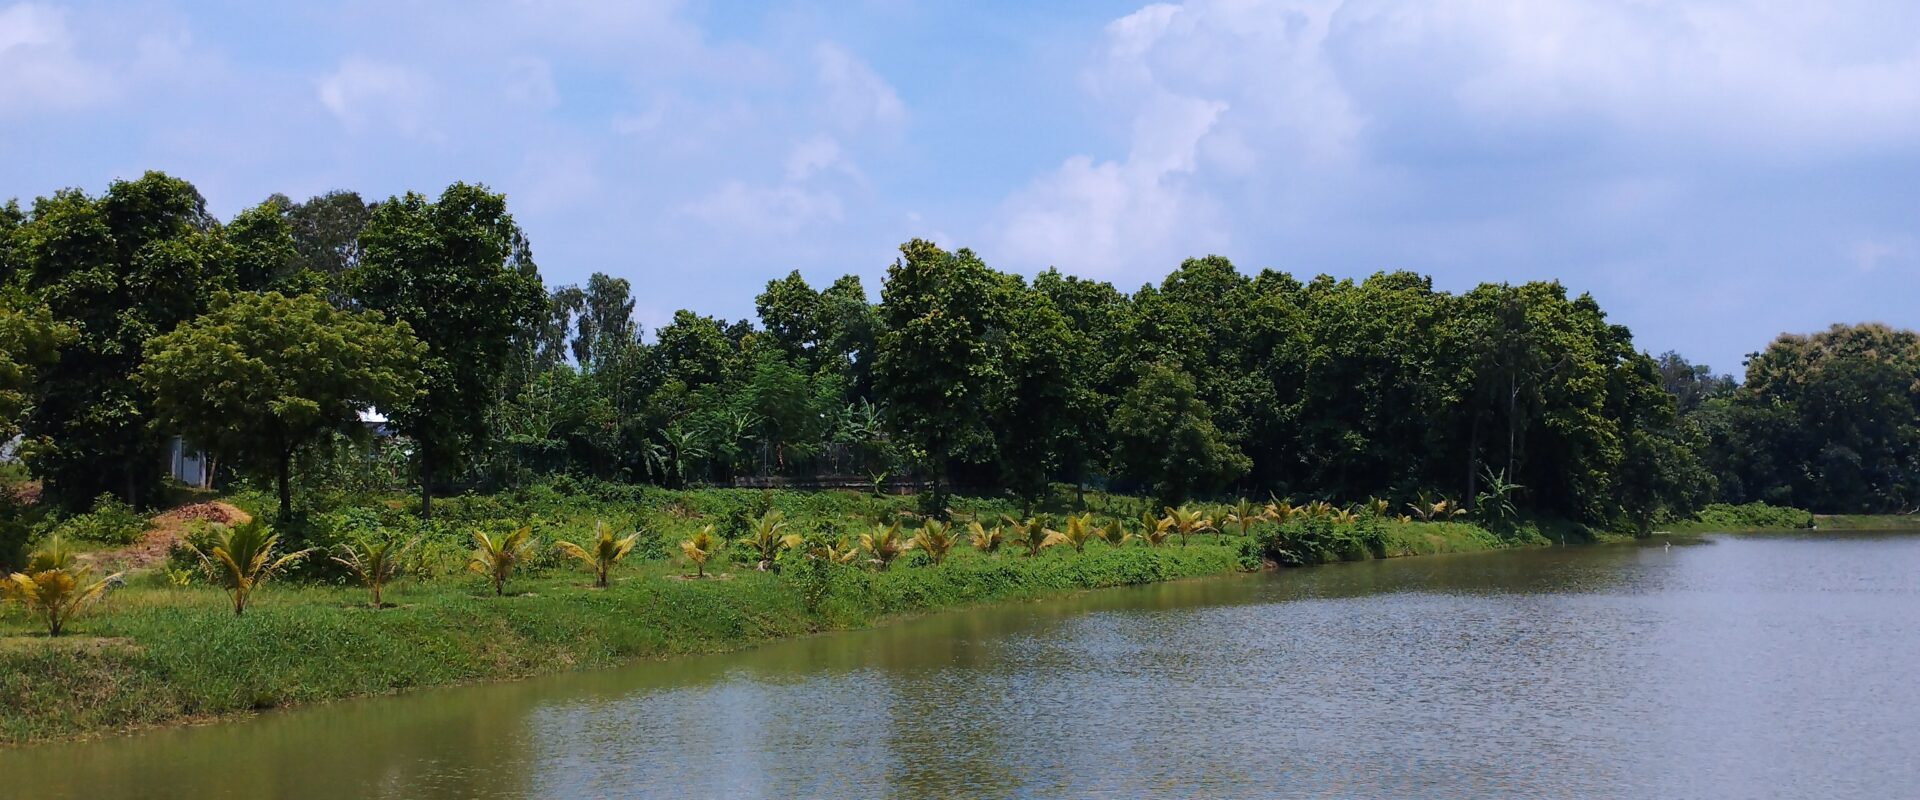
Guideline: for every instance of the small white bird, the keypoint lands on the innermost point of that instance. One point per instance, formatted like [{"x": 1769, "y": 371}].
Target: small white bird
[{"x": 1669, "y": 546}]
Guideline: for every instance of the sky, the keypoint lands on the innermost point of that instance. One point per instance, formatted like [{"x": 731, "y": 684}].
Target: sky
[{"x": 1714, "y": 172}]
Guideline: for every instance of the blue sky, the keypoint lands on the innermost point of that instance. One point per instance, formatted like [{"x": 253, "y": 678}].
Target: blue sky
[{"x": 1715, "y": 172}]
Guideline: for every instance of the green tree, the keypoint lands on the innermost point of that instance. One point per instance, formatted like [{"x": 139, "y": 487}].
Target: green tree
[
  {"x": 263, "y": 249},
  {"x": 119, "y": 269},
  {"x": 1164, "y": 437},
  {"x": 263, "y": 375},
  {"x": 933, "y": 364},
  {"x": 459, "y": 273}
]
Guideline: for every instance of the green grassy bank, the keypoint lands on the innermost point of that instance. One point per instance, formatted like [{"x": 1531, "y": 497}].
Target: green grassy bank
[{"x": 154, "y": 652}]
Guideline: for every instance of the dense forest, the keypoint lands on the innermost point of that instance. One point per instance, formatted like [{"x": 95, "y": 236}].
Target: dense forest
[{"x": 135, "y": 315}]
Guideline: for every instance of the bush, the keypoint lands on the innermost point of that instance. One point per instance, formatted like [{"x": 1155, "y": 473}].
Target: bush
[
  {"x": 1750, "y": 517},
  {"x": 110, "y": 522}
]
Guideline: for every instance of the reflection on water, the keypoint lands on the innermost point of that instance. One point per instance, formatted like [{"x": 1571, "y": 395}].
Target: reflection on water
[{"x": 1742, "y": 667}]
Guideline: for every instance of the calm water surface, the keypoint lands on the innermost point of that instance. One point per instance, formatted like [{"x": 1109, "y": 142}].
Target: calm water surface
[{"x": 1739, "y": 667}]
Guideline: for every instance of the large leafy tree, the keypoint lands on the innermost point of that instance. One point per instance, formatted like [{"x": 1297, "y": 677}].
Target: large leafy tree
[
  {"x": 263, "y": 375},
  {"x": 934, "y": 365},
  {"x": 459, "y": 272},
  {"x": 1164, "y": 436},
  {"x": 1829, "y": 421},
  {"x": 118, "y": 269}
]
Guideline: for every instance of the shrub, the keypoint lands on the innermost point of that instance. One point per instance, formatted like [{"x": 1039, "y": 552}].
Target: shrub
[
  {"x": 109, "y": 522},
  {"x": 1752, "y": 516}
]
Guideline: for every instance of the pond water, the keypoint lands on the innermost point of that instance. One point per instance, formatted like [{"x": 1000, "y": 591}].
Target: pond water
[{"x": 1732, "y": 667}]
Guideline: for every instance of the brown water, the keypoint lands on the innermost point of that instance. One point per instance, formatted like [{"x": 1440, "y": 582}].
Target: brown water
[{"x": 1740, "y": 667}]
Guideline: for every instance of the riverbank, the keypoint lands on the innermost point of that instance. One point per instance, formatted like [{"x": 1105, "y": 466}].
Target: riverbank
[{"x": 156, "y": 653}]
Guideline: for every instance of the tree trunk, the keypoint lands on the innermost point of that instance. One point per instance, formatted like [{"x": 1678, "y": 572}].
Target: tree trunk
[
  {"x": 426, "y": 483},
  {"x": 285, "y": 478}
]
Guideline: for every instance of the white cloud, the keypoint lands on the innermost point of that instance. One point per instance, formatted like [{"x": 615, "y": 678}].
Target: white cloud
[
  {"x": 784, "y": 210},
  {"x": 365, "y": 94},
  {"x": 857, "y": 98},
  {"x": 39, "y": 67},
  {"x": 529, "y": 82}
]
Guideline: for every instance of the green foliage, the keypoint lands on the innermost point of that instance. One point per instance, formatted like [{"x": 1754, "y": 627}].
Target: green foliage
[
  {"x": 1755, "y": 516},
  {"x": 1164, "y": 435},
  {"x": 1829, "y": 422},
  {"x": 263, "y": 376},
  {"x": 110, "y": 521},
  {"x": 30, "y": 341},
  {"x": 118, "y": 269},
  {"x": 459, "y": 272}
]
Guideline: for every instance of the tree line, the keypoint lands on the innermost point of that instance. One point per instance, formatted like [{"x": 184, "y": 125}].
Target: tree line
[{"x": 136, "y": 315}]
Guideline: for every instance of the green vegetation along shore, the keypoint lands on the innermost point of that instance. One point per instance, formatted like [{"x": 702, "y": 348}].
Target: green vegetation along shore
[{"x": 167, "y": 647}]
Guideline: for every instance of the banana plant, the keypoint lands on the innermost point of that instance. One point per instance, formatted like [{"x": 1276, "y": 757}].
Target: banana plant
[
  {"x": 1497, "y": 502},
  {"x": 240, "y": 558},
  {"x": 1114, "y": 534},
  {"x": 986, "y": 540},
  {"x": 55, "y": 586},
  {"x": 1080, "y": 530},
  {"x": 699, "y": 547},
  {"x": 884, "y": 544},
  {"x": 607, "y": 551},
  {"x": 936, "y": 538},
  {"x": 767, "y": 536},
  {"x": 495, "y": 557},
  {"x": 374, "y": 561},
  {"x": 1244, "y": 515},
  {"x": 1187, "y": 522},
  {"x": 1034, "y": 537}
]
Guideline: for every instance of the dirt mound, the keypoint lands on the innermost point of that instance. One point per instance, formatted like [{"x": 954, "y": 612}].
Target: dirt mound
[{"x": 168, "y": 528}]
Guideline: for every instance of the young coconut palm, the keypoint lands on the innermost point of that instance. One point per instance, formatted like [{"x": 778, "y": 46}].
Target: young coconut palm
[
  {"x": 54, "y": 586},
  {"x": 1343, "y": 516},
  {"x": 1187, "y": 522},
  {"x": 767, "y": 536},
  {"x": 373, "y": 561},
  {"x": 884, "y": 544},
  {"x": 607, "y": 551},
  {"x": 1244, "y": 515},
  {"x": 1431, "y": 510},
  {"x": 833, "y": 551},
  {"x": 1114, "y": 534},
  {"x": 1034, "y": 536},
  {"x": 984, "y": 539},
  {"x": 936, "y": 538},
  {"x": 240, "y": 558},
  {"x": 496, "y": 557},
  {"x": 1375, "y": 507},
  {"x": 1155, "y": 530},
  {"x": 1282, "y": 511},
  {"x": 699, "y": 547},
  {"x": 1080, "y": 530}
]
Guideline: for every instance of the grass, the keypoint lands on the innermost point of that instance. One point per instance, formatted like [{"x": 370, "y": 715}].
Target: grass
[
  {"x": 154, "y": 653},
  {"x": 1867, "y": 522}
]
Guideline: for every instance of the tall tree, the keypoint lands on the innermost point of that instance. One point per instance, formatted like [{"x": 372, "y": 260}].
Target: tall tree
[
  {"x": 262, "y": 376},
  {"x": 119, "y": 269},
  {"x": 934, "y": 366},
  {"x": 459, "y": 272}
]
